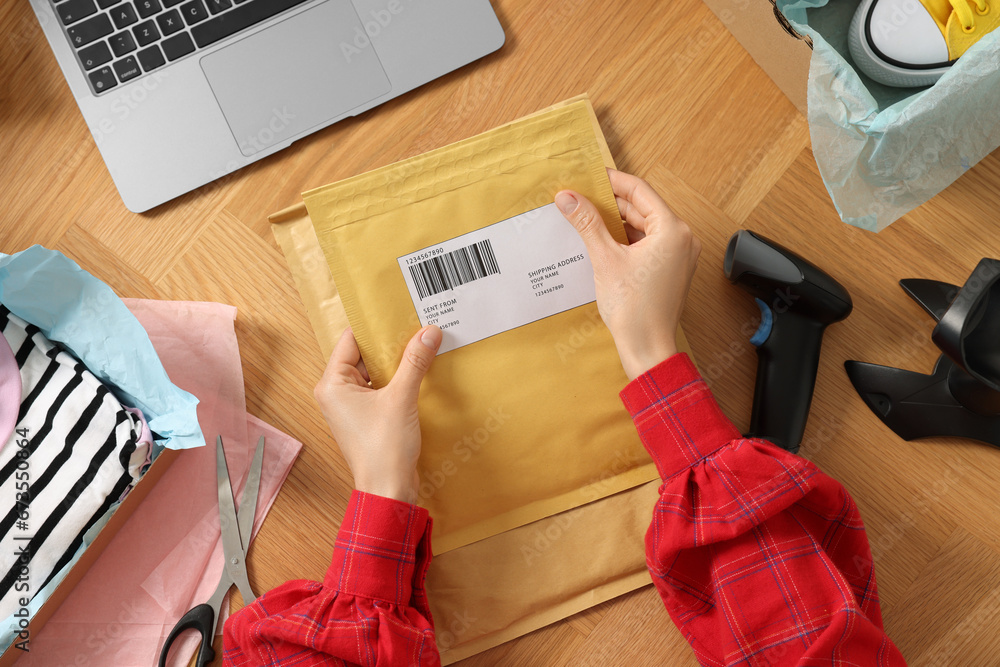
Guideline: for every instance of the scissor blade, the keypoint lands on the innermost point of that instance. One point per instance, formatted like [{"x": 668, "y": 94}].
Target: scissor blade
[
  {"x": 248, "y": 501},
  {"x": 232, "y": 545}
]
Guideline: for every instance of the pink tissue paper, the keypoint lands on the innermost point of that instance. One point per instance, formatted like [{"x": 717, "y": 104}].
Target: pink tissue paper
[{"x": 168, "y": 556}]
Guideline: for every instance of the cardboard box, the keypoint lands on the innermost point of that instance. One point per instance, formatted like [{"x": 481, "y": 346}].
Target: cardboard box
[
  {"x": 117, "y": 520},
  {"x": 771, "y": 42}
]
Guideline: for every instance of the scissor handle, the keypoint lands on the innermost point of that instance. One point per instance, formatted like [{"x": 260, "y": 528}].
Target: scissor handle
[{"x": 202, "y": 619}]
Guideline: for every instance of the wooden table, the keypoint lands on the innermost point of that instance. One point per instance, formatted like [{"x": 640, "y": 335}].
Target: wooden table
[{"x": 682, "y": 105}]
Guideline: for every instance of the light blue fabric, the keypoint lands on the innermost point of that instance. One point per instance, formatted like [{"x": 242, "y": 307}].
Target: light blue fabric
[
  {"x": 70, "y": 306},
  {"x": 883, "y": 151}
]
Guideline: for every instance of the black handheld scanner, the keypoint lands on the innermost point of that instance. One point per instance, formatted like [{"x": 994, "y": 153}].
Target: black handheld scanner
[{"x": 797, "y": 302}]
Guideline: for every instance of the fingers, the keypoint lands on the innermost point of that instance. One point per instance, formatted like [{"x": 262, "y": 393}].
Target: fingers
[
  {"x": 633, "y": 234},
  {"x": 637, "y": 200},
  {"x": 346, "y": 352},
  {"x": 635, "y": 190},
  {"x": 363, "y": 370},
  {"x": 345, "y": 363},
  {"x": 341, "y": 369},
  {"x": 417, "y": 358},
  {"x": 587, "y": 221},
  {"x": 633, "y": 219}
]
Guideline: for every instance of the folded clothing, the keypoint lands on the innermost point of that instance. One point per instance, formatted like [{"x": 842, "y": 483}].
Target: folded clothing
[{"x": 74, "y": 451}]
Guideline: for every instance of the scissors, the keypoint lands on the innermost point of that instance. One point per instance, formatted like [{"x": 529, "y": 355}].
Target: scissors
[{"x": 235, "y": 541}]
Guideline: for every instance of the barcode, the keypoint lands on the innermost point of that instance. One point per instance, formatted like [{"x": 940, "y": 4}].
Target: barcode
[{"x": 455, "y": 268}]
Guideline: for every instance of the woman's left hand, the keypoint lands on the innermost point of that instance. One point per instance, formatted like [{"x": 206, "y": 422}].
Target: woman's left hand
[{"x": 378, "y": 431}]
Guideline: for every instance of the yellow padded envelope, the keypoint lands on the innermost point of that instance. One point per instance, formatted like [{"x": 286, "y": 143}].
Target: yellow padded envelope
[
  {"x": 523, "y": 424},
  {"x": 510, "y": 584}
]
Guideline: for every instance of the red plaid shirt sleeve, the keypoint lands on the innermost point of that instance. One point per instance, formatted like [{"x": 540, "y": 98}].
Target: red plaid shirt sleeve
[
  {"x": 370, "y": 608},
  {"x": 760, "y": 558}
]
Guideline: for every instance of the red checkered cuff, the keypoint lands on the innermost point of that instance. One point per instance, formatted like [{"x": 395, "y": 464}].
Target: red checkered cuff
[{"x": 382, "y": 550}]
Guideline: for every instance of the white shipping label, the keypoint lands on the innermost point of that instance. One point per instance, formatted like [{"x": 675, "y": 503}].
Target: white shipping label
[{"x": 504, "y": 276}]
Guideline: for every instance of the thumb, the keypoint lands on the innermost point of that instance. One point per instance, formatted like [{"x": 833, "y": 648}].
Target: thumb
[
  {"x": 417, "y": 358},
  {"x": 584, "y": 216}
]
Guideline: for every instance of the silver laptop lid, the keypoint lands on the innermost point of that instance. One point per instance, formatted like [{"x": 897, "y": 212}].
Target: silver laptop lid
[{"x": 181, "y": 105}]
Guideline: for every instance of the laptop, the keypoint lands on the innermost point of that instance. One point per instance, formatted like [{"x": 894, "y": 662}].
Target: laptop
[{"x": 179, "y": 93}]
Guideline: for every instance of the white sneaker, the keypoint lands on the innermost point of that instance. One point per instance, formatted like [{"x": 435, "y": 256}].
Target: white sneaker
[{"x": 909, "y": 43}]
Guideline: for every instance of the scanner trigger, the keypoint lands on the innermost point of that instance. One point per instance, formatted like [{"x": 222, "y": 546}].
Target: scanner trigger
[{"x": 766, "y": 323}]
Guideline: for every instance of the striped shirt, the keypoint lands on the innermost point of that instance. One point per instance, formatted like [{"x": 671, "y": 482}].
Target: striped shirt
[{"x": 73, "y": 453}]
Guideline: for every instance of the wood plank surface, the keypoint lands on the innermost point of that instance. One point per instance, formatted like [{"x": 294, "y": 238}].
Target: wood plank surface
[{"x": 682, "y": 105}]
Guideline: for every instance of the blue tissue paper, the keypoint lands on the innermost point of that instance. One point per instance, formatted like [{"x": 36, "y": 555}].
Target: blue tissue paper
[
  {"x": 884, "y": 151},
  {"x": 70, "y": 306}
]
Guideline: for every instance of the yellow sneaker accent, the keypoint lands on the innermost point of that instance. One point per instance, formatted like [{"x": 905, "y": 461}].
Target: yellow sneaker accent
[
  {"x": 941, "y": 10},
  {"x": 963, "y": 22}
]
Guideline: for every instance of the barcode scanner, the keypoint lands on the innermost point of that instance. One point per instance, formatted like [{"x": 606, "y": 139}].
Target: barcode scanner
[{"x": 797, "y": 302}]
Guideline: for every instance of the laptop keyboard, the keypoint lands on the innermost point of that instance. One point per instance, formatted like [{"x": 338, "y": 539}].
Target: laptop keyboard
[{"x": 120, "y": 40}]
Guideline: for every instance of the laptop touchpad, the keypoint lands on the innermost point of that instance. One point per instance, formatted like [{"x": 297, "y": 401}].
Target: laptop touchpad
[{"x": 297, "y": 74}]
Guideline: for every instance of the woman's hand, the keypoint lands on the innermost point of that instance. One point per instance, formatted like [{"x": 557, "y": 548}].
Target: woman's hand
[
  {"x": 641, "y": 287},
  {"x": 378, "y": 430}
]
